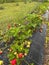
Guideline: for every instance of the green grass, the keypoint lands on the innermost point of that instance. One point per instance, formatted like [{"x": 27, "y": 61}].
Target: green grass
[{"x": 12, "y": 13}]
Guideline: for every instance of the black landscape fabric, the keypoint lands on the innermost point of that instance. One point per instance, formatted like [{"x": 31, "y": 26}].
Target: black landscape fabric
[{"x": 36, "y": 52}]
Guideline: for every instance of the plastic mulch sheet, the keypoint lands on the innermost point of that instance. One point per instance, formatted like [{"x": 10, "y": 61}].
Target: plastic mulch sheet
[{"x": 36, "y": 52}]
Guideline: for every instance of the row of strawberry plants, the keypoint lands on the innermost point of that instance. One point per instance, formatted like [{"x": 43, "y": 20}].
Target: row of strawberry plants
[{"x": 22, "y": 32}]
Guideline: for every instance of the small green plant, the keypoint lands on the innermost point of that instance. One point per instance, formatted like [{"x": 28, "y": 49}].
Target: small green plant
[
  {"x": 41, "y": 9},
  {"x": 17, "y": 4},
  {"x": 25, "y": 1},
  {"x": 1, "y": 8},
  {"x": 32, "y": 64}
]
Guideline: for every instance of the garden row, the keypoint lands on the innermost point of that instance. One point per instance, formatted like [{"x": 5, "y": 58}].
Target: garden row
[{"x": 21, "y": 33}]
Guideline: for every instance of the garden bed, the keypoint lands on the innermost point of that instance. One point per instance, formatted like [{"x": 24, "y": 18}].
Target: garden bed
[{"x": 24, "y": 42}]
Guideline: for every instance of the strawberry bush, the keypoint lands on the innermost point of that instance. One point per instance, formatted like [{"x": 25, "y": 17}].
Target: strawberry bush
[
  {"x": 22, "y": 32},
  {"x": 41, "y": 9}
]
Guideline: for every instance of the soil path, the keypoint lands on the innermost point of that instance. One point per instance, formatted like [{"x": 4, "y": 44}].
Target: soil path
[{"x": 46, "y": 57}]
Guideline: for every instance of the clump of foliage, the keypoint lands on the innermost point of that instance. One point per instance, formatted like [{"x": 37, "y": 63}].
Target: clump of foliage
[
  {"x": 21, "y": 33},
  {"x": 24, "y": 31},
  {"x": 41, "y": 9},
  {"x": 1, "y": 8},
  {"x": 17, "y": 4}
]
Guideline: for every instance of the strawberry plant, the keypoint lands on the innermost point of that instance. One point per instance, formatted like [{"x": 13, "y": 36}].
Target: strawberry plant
[
  {"x": 21, "y": 33},
  {"x": 41, "y": 9}
]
